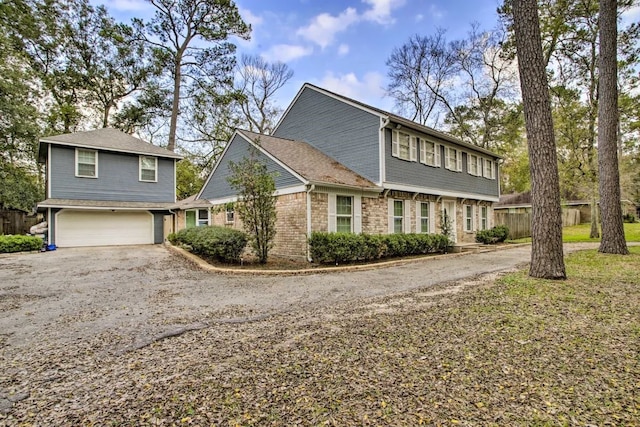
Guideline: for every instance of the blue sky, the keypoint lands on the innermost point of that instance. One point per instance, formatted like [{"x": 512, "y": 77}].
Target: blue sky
[{"x": 339, "y": 45}]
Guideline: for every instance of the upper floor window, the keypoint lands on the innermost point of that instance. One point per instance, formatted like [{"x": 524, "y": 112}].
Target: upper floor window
[
  {"x": 489, "y": 169},
  {"x": 148, "y": 169},
  {"x": 452, "y": 159},
  {"x": 429, "y": 153},
  {"x": 86, "y": 163},
  {"x": 404, "y": 146},
  {"x": 474, "y": 165},
  {"x": 344, "y": 214}
]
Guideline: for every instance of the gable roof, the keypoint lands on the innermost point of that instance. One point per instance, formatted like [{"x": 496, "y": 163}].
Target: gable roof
[
  {"x": 308, "y": 162},
  {"x": 111, "y": 140},
  {"x": 391, "y": 117}
]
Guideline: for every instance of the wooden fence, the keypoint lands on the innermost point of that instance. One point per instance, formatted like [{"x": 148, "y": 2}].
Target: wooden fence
[
  {"x": 17, "y": 222},
  {"x": 519, "y": 224}
]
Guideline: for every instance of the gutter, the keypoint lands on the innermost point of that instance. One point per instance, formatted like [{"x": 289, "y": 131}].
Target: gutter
[{"x": 309, "y": 190}]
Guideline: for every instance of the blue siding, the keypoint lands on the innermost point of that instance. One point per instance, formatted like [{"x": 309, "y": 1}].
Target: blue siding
[
  {"x": 218, "y": 186},
  {"x": 417, "y": 174},
  {"x": 118, "y": 178},
  {"x": 344, "y": 132}
]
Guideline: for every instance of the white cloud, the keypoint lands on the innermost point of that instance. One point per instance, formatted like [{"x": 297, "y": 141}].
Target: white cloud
[
  {"x": 419, "y": 17},
  {"x": 324, "y": 27},
  {"x": 435, "y": 12},
  {"x": 286, "y": 52},
  {"x": 380, "y": 11},
  {"x": 126, "y": 5},
  {"x": 343, "y": 49},
  {"x": 369, "y": 89},
  {"x": 249, "y": 17},
  {"x": 630, "y": 16}
]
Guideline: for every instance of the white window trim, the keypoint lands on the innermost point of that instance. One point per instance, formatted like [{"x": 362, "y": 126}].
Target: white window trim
[
  {"x": 95, "y": 153},
  {"x": 198, "y": 217},
  {"x": 412, "y": 152},
  {"x": 471, "y": 162},
  {"x": 155, "y": 169},
  {"x": 489, "y": 174},
  {"x": 423, "y": 153},
  {"x": 228, "y": 211},
  {"x": 468, "y": 218},
  {"x": 356, "y": 212},
  {"x": 430, "y": 218},
  {"x": 457, "y": 167},
  {"x": 486, "y": 219}
]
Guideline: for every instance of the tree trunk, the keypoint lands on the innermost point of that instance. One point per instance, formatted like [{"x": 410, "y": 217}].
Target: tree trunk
[
  {"x": 173, "y": 124},
  {"x": 547, "y": 258},
  {"x": 613, "y": 241},
  {"x": 594, "y": 233}
]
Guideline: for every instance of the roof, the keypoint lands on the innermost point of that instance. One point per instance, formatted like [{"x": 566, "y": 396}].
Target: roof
[
  {"x": 103, "y": 204},
  {"x": 398, "y": 120},
  {"x": 191, "y": 202},
  {"x": 308, "y": 162},
  {"x": 111, "y": 140}
]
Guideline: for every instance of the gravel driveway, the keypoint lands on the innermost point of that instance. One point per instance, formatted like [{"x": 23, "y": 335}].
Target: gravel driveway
[
  {"x": 138, "y": 292},
  {"x": 67, "y": 313}
]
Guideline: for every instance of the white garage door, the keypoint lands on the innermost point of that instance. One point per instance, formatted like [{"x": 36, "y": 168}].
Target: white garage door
[{"x": 103, "y": 228}]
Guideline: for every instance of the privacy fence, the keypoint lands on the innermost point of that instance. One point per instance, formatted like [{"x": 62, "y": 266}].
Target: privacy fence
[
  {"x": 16, "y": 222},
  {"x": 519, "y": 224}
]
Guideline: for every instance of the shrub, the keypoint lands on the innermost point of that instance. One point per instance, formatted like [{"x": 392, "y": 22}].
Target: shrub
[
  {"x": 19, "y": 243},
  {"x": 329, "y": 248},
  {"x": 629, "y": 218},
  {"x": 221, "y": 243},
  {"x": 497, "y": 234}
]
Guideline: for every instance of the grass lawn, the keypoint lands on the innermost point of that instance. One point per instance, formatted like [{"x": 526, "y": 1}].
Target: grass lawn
[
  {"x": 515, "y": 351},
  {"x": 580, "y": 233}
]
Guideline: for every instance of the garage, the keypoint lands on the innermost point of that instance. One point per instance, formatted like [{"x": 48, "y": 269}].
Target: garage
[{"x": 103, "y": 228}]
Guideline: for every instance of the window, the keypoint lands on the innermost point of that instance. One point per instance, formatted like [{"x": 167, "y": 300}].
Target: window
[
  {"x": 197, "y": 217},
  {"x": 398, "y": 216},
  {"x": 230, "y": 215},
  {"x": 489, "y": 169},
  {"x": 86, "y": 163},
  {"x": 203, "y": 217},
  {"x": 148, "y": 169},
  {"x": 344, "y": 214},
  {"x": 404, "y": 146},
  {"x": 468, "y": 218},
  {"x": 484, "y": 218},
  {"x": 424, "y": 223},
  {"x": 429, "y": 153},
  {"x": 474, "y": 165},
  {"x": 453, "y": 159}
]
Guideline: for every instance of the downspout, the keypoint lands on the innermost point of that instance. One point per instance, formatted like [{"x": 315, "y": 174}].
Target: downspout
[
  {"x": 309, "y": 190},
  {"x": 382, "y": 164}
]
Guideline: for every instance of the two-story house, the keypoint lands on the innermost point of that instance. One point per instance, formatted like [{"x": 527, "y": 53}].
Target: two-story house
[
  {"x": 105, "y": 187},
  {"x": 349, "y": 167}
]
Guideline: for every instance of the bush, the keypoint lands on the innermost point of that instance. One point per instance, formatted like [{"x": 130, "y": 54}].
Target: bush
[
  {"x": 497, "y": 234},
  {"x": 336, "y": 248},
  {"x": 221, "y": 243},
  {"x": 19, "y": 243},
  {"x": 629, "y": 218}
]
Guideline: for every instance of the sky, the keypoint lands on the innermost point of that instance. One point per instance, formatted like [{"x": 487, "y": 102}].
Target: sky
[{"x": 340, "y": 45}]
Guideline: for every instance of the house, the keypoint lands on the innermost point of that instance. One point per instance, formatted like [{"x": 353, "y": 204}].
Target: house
[
  {"x": 346, "y": 166},
  {"x": 105, "y": 187}
]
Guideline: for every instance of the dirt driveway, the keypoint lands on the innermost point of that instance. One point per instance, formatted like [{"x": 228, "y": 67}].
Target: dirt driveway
[{"x": 139, "y": 292}]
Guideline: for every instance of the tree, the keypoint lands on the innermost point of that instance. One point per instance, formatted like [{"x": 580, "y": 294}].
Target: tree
[
  {"x": 613, "y": 240},
  {"x": 188, "y": 179},
  {"x": 547, "y": 259},
  {"x": 189, "y": 41},
  {"x": 258, "y": 83},
  {"x": 256, "y": 204}
]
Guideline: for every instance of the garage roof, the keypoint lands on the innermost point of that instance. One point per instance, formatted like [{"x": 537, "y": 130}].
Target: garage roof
[{"x": 111, "y": 140}]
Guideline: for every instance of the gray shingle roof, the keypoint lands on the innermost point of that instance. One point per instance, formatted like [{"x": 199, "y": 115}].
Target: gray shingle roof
[
  {"x": 112, "y": 140},
  {"x": 309, "y": 162}
]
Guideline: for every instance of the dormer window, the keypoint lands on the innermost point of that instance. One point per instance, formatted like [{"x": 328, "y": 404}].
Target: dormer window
[
  {"x": 452, "y": 159},
  {"x": 429, "y": 153},
  {"x": 86, "y": 163},
  {"x": 489, "y": 169},
  {"x": 148, "y": 169}
]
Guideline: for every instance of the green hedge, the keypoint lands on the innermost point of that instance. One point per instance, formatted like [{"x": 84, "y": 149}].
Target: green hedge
[
  {"x": 19, "y": 243},
  {"x": 336, "y": 248},
  {"x": 497, "y": 234},
  {"x": 221, "y": 243}
]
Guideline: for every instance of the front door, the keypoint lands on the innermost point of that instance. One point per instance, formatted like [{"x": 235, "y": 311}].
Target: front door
[{"x": 449, "y": 214}]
